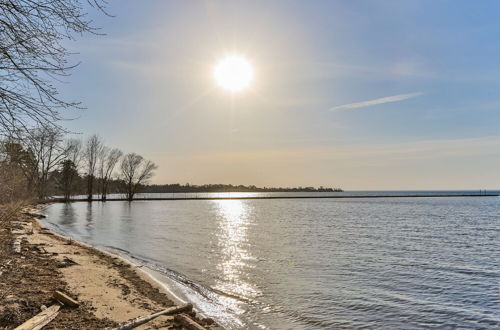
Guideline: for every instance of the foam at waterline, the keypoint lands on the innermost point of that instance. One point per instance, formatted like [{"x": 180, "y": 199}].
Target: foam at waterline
[{"x": 207, "y": 301}]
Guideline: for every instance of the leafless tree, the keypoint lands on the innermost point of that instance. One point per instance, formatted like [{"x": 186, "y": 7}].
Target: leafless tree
[
  {"x": 108, "y": 159},
  {"x": 32, "y": 57},
  {"x": 74, "y": 151},
  {"x": 44, "y": 150},
  {"x": 135, "y": 170},
  {"x": 93, "y": 148},
  {"x": 69, "y": 167}
]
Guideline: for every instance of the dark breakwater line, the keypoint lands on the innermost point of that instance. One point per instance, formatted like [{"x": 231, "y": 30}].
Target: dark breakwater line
[{"x": 62, "y": 200}]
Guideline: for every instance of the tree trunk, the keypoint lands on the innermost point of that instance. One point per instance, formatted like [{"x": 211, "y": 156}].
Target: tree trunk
[
  {"x": 104, "y": 190},
  {"x": 90, "y": 184},
  {"x": 130, "y": 193}
]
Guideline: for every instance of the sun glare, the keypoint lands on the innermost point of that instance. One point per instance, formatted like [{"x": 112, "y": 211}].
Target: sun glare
[{"x": 233, "y": 73}]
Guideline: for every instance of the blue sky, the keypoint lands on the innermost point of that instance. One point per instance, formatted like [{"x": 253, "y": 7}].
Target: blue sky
[{"x": 356, "y": 94}]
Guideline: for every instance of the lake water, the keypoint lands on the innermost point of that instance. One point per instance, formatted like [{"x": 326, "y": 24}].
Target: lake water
[{"x": 312, "y": 263}]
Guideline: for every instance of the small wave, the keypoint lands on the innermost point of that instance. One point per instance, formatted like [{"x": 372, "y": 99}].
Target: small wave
[{"x": 202, "y": 289}]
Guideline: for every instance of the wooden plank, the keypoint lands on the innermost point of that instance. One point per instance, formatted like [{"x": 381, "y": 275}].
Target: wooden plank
[
  {"x": 65, "y": 299},
  {"x": 40, "y": 320},
  {"x": 144, "y": 319}
]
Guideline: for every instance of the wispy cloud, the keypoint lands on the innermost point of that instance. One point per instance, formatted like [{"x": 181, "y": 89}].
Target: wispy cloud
[{"x": 388, "y": 99}]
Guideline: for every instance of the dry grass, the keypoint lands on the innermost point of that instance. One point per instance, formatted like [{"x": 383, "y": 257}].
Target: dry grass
[
  {"x": 9, "y": 210},
  {"x": 13, "y": 185}
]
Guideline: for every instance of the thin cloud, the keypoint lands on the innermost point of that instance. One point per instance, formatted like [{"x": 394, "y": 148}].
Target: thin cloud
[{"x": 388, "y": 99}]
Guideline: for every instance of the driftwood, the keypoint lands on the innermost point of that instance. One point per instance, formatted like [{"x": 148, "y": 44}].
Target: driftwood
[
  {"x": 187, "y": 323},
  {"x": 70, "y": 261},
  {"x": 35, "y": 215},
  {"x": 65, "y": 299},
  {"x": 144, "y": 319},
  {"x": 16, "y": 246},
  {"x": 41, "y": 249},
  {"x": 40, "y": 320}
]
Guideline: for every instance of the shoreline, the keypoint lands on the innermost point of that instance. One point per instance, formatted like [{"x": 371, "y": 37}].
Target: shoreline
[
  {"x": 110, "y": 288},
  {"x": 143, "y": 274},
  {"x": 72, "y": 200}
]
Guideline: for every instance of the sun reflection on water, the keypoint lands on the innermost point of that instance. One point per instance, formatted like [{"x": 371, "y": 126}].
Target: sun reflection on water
[{"x": 234, "y": 220}]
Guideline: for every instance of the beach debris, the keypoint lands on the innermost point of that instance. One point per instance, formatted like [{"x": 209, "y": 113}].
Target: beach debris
[
  {"x": 34, "y": 213},
  {"x": 41, "y": 319},
  {"x": 41, "y": 249},
  {"x": 70, "y": 261},
  {"x": 67, "y": 262},
  {"x": 16, "y": 246},
  {"x": 208, "y": 321},
  {"x": 65, "y": 299},
  {"x": 187, "y": 323},
  {"x": 29, "y": 228},
  {"x": 144, "y": 319},
  {"x": 45, "y": 231}
]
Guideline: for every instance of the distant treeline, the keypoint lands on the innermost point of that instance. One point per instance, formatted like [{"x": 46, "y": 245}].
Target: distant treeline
[{"x": 189, "y": 188}]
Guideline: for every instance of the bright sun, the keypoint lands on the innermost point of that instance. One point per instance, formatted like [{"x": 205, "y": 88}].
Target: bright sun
[{"x": 233, "y": 73}]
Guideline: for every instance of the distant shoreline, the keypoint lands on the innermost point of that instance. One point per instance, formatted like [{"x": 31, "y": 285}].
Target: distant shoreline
[{"x": 62, "y": 200}]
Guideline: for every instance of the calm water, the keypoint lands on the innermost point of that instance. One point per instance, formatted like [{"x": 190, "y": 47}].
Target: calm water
[
  {"x": 299, "y": 194},
  {"x": 307, "y": 264}
]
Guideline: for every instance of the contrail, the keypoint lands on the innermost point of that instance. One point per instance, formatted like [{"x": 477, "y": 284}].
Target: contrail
[{"x": 388, "y": 99}]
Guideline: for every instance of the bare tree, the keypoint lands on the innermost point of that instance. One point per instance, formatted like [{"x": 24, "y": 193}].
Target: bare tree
[
  {"x": 135, "y": 170},
  {"x": 108, "y": 159},
  {"x": 43, "y": 152},
  {"x": 69, "y": 167},
  {"x": 32, "y": 56},
  {"x": 74, "y": 151},
  {"x": 93, "y": 148},
  {"x": 101, "y": 163}
]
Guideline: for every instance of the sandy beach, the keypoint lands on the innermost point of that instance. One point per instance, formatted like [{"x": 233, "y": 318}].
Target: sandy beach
[{"x": 109, "y": 290}]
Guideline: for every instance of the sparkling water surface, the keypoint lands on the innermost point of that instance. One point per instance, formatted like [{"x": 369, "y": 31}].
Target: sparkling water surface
[{"x": 312, "y": 263}]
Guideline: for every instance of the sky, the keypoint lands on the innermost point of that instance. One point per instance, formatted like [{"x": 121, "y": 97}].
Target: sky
[{"x": 362, "y": 95}]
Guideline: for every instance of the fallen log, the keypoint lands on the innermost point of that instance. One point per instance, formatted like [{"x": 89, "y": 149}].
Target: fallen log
[
  {"x": 187, "y": 323},
  {"x": 144, "y": 319},
  {"x": 41, "y": 319},
  {"x": 65, "y": 299}
]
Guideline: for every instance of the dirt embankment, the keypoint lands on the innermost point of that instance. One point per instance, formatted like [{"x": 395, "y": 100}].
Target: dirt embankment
[{"x": 109, "y": 290}]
